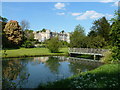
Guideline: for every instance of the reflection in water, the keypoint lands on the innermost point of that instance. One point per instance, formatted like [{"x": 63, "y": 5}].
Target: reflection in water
[
  {"x": 53, "y": 64},
  {"x": 13, "y": 69},
  {"x": 30, "y": 72}
]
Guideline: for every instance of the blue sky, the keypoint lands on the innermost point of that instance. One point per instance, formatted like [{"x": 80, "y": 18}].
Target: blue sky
[{"x": 58, "y": 16}]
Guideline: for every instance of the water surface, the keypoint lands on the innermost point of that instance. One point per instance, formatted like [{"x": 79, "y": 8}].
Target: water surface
[{"x": 34, "y": 71}]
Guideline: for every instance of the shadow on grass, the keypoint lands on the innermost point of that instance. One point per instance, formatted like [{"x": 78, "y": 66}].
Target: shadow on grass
[{"x": 10, "y": 48}]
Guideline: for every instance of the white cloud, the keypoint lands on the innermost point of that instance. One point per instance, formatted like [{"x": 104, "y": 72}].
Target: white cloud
[
  {"x": 60, "y": 6},
  {"x": 116, "y": 3},
  {"x": 91, "y": 15},
  {"x": 61, "y": 13},
  {"x": 106, "y": 1},
  {"x": 75, "y": 14}
]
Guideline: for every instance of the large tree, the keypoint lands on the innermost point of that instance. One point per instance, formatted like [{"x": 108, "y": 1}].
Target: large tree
[
  {"x": 101, "y": 27},
  {"x": 77, "y": 37},
  {"x": 24, "y": 25},
  {"x": 115, "y": 36},
  {"x": 4, "y": 41},
  {"x": 13, "y": 33}
]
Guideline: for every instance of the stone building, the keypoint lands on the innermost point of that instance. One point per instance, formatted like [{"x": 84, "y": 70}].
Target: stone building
[{"x": 41, "y": 36}]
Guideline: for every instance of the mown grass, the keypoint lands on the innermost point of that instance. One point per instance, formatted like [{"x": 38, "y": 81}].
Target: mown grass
[
  {"x": 24, "y": 52},
  {"x": 106, "y": 76}
]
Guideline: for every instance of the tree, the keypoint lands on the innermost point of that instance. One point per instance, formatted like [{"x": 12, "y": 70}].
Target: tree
[
  {"x": 95, "y": 42},
  {"x": 53, "y": 44},
  {"x": 13, "y": 33},
  {"x": 28, "y": 44},
  {"x": 29, "y": 35},
  {"x": 3, "y": 19},
  {"x": 24, "y": 25},
  {"x": 115, "y": 36},
  {"x": 43, "y": 30},
  {"x": 3, "y": 22},
  {"x": 62, "y": 31},
  {"x": 92, "y": 33},
  {"x": 76, "y": 38},
  {"x": 101, "y": 27}
]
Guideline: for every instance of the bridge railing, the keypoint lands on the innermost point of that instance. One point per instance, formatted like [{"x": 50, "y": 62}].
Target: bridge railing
[{"x": 88, "y": 50}]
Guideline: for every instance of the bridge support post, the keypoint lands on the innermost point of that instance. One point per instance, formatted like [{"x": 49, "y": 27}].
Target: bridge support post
[{"x": 94, "y": 57}]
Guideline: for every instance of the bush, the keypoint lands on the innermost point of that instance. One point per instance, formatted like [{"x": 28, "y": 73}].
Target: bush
[
  {"x": 53, "y": 44},
  {"x": 107, "y": 57},
  {"x": 28, "y": 44},
  {"x": 64, "y": 43}
]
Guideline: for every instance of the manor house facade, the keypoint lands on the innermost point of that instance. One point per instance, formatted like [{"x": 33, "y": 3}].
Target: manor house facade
[{"x": 41, "y": 36}]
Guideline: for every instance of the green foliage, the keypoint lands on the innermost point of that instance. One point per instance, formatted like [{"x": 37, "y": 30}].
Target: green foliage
[
  {"x": 29, "y": 35},
  {"x": 92, "y": 33},
  {"x": 98, "y": 37},
  {"x": 62, "y": 31},
  {"x": 95, "y": 42},
  {"x": 3, "y": 19},
  {"x": 28, "y": 44},
  {"x": 77, "y": 37},
  {"x": 105, "y": 76},
  {"x": 107, "y": 57},
  {"x": 53, "y": 64},
  {"x": 43, "y": 30},
  {"x": 53, "y": 44},
  {"x": 64, "y": 43},
  {"x": 101, "y": 28},
  {"x": 115, "y": 37}
]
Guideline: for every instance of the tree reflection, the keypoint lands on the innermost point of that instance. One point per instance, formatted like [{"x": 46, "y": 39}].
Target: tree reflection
[
  {"x": 12, "y": 70},
  {"x": 53, "y": 64},
  {"x": 82, "y": 66}
]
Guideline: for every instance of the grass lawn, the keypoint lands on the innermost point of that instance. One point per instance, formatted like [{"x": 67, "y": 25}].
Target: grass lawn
[
  {"x": 106, "y": 76},
  {"x": 23, "y": 52}
]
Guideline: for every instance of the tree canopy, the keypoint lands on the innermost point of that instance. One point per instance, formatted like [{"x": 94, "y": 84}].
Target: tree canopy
[
  {"x": 115, "y": 36},
  {"x": 76, "y": 39},
  {"x": 13, "y": 32}
]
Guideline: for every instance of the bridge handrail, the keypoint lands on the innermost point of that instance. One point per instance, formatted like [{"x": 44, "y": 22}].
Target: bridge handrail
[{"x": 88, "y": 50}]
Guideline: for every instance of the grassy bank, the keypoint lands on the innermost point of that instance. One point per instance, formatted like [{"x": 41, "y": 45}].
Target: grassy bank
[
  {"x": 24, "y": 52},
  {"x": 106, "y": 76}
]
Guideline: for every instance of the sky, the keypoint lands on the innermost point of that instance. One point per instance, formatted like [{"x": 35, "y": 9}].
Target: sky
[{"x": 58, "y": 16}]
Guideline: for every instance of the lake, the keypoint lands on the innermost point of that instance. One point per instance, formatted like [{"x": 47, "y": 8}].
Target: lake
[{"x": 30, "y": 72}]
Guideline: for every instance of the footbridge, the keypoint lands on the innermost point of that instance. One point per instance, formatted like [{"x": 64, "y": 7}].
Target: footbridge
[{"x": 87, "y": 51}]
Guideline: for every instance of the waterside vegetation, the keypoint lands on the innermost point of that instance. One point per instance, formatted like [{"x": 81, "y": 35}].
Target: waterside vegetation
[{"x": 105, "y": 76}]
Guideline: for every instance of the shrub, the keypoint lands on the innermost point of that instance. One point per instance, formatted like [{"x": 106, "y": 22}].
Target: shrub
[
  {"x": 53, "y": 44},
  {"x": 28, "y": 44},
  {"x": 107, "y": 57}
]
